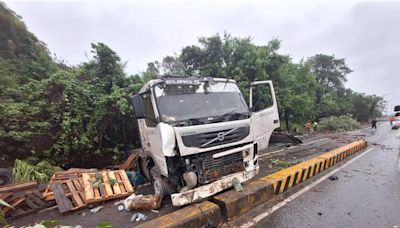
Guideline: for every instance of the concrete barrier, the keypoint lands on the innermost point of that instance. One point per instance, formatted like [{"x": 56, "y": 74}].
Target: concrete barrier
[
  {"x": 287, "y": 178},
  {"x": 231, "y": 204},
  {"x": 195, "y": 215},
  {"x": 234, "y": 203}
]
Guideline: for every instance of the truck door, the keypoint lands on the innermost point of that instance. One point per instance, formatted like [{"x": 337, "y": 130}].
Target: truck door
[{"x": 265, "y": 116}]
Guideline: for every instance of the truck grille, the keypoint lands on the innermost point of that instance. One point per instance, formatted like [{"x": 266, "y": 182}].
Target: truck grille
[
  {"x": 210, "y": 169},
  {"x": 215, "y": 138}
]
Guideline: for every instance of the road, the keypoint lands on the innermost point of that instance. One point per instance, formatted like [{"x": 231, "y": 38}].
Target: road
[
  {"x": 366, "y": 194},
  {"x": 313, "y": 145}
]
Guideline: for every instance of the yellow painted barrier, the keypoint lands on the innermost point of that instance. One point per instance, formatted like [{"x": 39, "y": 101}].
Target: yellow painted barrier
[{"x": 290, "y": 177}]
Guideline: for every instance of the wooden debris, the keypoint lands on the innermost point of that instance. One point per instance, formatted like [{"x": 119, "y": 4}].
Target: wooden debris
[
  {"x": 23, "y": 202},
  {"x": 18, "y": 187},
  {"x": 130, "y": 162},
  {"x": 106, "y": 185},
  {"x": 73, "y": 173},
  {"x": 68, "y": 195}
]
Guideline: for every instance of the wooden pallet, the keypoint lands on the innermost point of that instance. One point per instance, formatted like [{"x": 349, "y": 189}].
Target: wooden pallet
[
  {"x": 60, "y": 177},
  {"x": 23, "y": 204},
  {"x": 68, "y": 194},
  {"x": 110, "y": 185},
  {"x": 30, "y": 185}
]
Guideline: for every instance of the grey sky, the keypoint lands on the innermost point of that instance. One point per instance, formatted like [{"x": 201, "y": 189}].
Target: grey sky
[{"x": 366, "y": 34}]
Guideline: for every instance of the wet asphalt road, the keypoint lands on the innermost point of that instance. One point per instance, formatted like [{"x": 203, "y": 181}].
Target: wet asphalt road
[{"x": 366, "y": 194}]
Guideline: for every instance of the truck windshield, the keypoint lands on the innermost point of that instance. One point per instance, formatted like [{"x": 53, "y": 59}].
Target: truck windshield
[{"x": 219, "y": 102}]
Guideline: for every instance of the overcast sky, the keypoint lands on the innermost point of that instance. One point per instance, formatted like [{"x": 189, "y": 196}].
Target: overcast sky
[{"x": 366, "y": 34}]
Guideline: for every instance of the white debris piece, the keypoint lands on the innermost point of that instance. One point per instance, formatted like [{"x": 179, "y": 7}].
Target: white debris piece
[
  {"x": 137, "y": 217},
  {"x": 96, "y": 209}
]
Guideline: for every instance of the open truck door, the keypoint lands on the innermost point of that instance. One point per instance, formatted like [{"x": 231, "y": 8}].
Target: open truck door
[{"x": 265, "y": 116}]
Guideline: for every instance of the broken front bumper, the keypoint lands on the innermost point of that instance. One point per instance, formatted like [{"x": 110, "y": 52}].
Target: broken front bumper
[{"x": 202, "y": 192}]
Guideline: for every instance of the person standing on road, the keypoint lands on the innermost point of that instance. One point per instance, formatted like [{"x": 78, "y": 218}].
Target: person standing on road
[
  {"x": 315, "y": 124},
  {"x": 373, "y": 122},
  {"x": 308, "y": 127},
  {"x": 391, "y": 119}
]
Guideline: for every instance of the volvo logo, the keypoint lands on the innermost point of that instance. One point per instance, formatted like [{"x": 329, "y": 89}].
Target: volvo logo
[{"x": 221, "y": 136}]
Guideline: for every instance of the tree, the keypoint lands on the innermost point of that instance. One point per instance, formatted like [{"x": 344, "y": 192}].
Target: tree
[
  {"x": 330, "y": 74},
  {"x": 152, "y": 71}
]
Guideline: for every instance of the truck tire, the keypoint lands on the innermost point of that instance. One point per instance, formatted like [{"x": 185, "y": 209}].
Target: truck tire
[
  {"x": 5, "y": 176},
  {"x": 145, "y": 164}
]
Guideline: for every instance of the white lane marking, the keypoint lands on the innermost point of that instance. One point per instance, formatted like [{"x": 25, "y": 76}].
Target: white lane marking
[
  {"x": 292, "y": 147},
  {"x": 299, "y": 193},
  {"x": 398, "y": 165}
]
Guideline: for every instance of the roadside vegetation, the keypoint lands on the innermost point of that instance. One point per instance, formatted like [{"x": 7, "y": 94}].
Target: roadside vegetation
[
  {"x": 339, "y": 123},
  {"x": 79, "y": 116}
]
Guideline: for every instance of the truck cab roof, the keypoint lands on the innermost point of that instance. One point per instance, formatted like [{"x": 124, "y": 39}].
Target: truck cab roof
[{"x": 178, "y": 80}]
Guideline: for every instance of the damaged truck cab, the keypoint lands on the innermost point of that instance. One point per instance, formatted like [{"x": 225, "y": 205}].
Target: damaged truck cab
[{"x": 199, "y": 136}]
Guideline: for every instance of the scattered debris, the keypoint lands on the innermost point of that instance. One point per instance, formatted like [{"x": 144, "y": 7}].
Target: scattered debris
[
  {"x": 18, "y": 187},
  {"x": 119, "y": 202},
  {"x": 24, "y": 198},
  {"x": 121, "y": 207},
  {"x": 137, "y": 217},
  {"x": 73, "y": 173},
  {"x": 333, "y": 178},
  {"x": 130, "y": 162},
  {"x": 68, "y": 194},
  {"x": 143, "y": 202},
  {"x": 319, "y": 213},
  {"x": 237, "y": 185},
  {"x": 282, "y": 164},
  {"x": 155, "y": 211},
  {"x": 96, "y": 209},
  {"x": 75, "y": 188}
]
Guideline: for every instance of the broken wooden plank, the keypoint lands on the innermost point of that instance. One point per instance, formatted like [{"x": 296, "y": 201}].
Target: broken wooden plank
[
  {"x": 63, "y": 203},
  {"x": 130, "y": 161},
  {"x": 18, "y": 187}
]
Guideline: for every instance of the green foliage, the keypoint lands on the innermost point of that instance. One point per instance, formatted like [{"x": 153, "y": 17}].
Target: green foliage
[
  {"x": 305, "y": 91},
  {"x": 281, "y": 164},
  {"x": 41, "y": 172},
  {"x": 338, "y": 123},
  {"x": 50, "y": 223},
  {"x": 104, "y": 225},
  {"x": 80, "y": 115}
]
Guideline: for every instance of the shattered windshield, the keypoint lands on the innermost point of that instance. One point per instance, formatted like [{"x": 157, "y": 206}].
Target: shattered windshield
[{"x": 202, "y": 103}]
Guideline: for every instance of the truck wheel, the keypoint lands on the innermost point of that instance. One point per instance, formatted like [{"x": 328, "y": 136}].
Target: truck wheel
[
  {"x": 145, "y": 164},
  {"x": 5, "y": 176}
]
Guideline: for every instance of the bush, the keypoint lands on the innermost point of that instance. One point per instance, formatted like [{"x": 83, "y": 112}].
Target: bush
[
  {"x": 41, "y": 172},
  {"x": 339, "y": 123}
]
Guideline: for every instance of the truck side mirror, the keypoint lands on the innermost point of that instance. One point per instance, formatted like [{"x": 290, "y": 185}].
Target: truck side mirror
[
  {"x": 138, "y": 106},
  {"x": 397, "y": 108}
]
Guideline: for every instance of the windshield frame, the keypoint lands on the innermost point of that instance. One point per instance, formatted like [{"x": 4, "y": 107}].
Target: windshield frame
[{"x": 210, "y": 119}]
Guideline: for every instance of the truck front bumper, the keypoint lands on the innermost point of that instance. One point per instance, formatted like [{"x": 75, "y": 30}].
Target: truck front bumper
[{"x": 202, "y": 192}]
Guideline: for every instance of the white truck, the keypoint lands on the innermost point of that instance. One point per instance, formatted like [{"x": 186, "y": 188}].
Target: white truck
[{"x": 199, "y": 136}]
